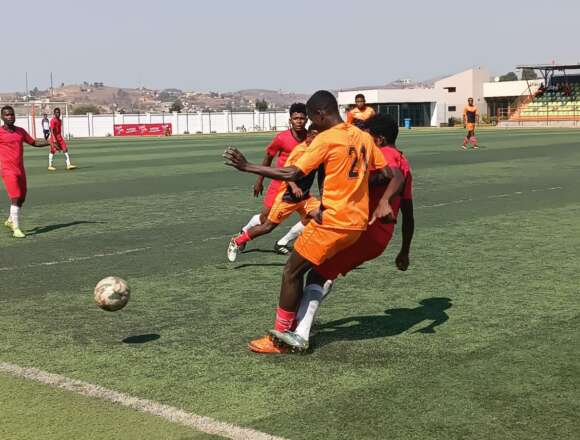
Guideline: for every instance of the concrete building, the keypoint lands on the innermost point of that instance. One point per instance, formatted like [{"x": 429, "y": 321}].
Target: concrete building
[{"x": 434, "y": 106}]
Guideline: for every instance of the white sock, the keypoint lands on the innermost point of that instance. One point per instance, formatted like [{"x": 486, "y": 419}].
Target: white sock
[
  {"x": 311, "y": 299},
  {"x": 292, "y": 234},
  {"x": 50, "y": 159},
  {"x": 254, "y": 221},
  {"x": 67, "y": 158},
  {"x": 15, "y": 215}
]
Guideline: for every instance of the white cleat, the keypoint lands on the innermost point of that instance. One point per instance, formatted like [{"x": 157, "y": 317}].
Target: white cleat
[{"x": 233, "y": 250}]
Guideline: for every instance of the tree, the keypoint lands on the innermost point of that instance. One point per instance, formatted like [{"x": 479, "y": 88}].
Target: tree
[
  {"x": 177, "y": 106},
  {"x": 510, "y": 76},
  {"x": 261, "y": 105},
  {"x": 83, "y": 109},
  {"x": 529, "y": 74}
]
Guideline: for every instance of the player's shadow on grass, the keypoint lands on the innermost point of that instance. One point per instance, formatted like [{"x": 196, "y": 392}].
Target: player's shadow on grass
[
  {"x": 431, "y": 312},
  {"x": 243, "y": 266},
  {"x": 50, "y": 228},
  {"x": 260, "y": 251},
  {"x": 141, "y": 339}
]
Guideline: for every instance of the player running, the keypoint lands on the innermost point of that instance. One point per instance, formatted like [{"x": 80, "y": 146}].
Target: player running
[
  {"x": 281, "y": 146},
  {"x": 348, "y": 155},
  {"x": 470, "y": 119},
  {"x": 57, "y": 142},
  {"x": 12, "y": 166},
  {"x": 292, "y": 197},
  {"x": 370, "y": 245},
  {"x": 361, "y": 113}
]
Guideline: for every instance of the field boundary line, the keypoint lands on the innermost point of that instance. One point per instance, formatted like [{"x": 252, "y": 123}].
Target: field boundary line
[{"x": 169, "y": 413}]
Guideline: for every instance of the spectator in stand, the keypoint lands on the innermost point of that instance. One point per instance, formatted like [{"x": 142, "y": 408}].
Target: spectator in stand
[{"x": 540, "y": 91}]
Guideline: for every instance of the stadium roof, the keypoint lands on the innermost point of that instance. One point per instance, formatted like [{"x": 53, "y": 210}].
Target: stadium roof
[{"x": 550, "y": 66}]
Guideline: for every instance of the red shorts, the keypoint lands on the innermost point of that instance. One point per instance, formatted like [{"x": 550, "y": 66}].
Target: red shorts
[
  {"x": 57, "y": 144},
  {"x": 271, "y": 193},
  {"x": 365, "y": 249},
  {"x": 15, "y": 185}
]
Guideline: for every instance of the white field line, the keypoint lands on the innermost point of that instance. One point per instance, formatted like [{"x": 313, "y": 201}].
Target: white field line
[
  {"x": 222, "y": 237},
  {"x": 170, "y": 413}
]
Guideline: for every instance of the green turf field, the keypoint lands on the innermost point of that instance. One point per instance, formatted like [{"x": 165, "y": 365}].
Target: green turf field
[{"x": 495, "y": 259}]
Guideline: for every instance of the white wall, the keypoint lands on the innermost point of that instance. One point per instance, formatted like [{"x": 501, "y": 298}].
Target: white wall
[
  {"x": 509, "y": 88},
  {"x": 219, "y": 122}
]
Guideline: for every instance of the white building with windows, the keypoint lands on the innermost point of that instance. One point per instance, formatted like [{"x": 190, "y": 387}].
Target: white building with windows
[{"x": 435, "y": 106}]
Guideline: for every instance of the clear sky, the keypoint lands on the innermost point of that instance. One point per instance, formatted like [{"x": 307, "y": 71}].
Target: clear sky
[{"x": 294, "y": 45}]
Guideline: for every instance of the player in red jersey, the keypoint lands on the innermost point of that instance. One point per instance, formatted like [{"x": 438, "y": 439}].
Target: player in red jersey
[
  {"x": 281, "y": 146},
  {"x": 57, "y": 142},
  {"x": 292, "y": 197},
  {"x": 370, "y": 245},
  {"x": 12, "y": 166}
]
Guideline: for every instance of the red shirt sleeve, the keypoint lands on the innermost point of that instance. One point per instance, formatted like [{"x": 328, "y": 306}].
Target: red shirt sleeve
[
  {"x": 27, "y": 138},
  {"x": 275, "y": 146}
]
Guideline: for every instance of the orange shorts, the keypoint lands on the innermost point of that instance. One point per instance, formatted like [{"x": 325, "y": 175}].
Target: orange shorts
[
  {"x": 317, "y": 243},
  {"x": 281, "y": 210},
  {"x": 470, "y": 126}
]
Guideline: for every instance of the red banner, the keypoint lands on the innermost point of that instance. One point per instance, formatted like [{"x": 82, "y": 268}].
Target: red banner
[{"x": 142, "y": 129}]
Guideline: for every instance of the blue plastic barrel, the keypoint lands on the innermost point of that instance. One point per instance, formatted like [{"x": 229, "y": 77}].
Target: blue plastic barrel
[{"x": 407, "y": 122}]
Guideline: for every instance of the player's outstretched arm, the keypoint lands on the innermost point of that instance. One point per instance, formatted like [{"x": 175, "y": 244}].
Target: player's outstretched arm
[
  {"x": 234, "y": 158},
  {"x": 39, "y": 143},
  {"x": 384, "y": 210},
  {"x": 408, "y": 229}
]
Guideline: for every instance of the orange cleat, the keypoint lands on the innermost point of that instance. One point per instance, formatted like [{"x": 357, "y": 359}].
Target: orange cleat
[{"x": 266, "y": 345}]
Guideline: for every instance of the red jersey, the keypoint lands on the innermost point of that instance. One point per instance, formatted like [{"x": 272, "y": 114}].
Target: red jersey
[
  {"x": 382, "y": 232},
  {"x": 12, "y": 151},
  {"x": 282, "y": 145},
  {"x": 56, "y": 126}
]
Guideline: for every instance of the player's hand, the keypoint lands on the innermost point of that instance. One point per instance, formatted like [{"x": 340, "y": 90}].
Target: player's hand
[
  {"x": 298, "y": 193},
  {"x": 402, "y": 261},
  {"x": 258, "y": 188},
  {"x": 234, "y": 158},
  {"x": 315, "y": 215},
  {"x": 384, "y": 213}
]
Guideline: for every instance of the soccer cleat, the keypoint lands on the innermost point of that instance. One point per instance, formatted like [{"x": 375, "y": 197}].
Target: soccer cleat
[
  {"x": 281, "y": 249},
  {"x": 475, "y": 147},
  {"x": 266, "y": 345},
  {"x": 71, "y": 167},
  {"x": 463, "y": 147},
  {"x": 296, "y": 342},
  {"x": 17, "y": 233},
  {"x": 51, "y": 168},
  {"x": 233, "y": 250}
]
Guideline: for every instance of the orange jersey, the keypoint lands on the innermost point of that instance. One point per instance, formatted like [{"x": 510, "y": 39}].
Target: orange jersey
[
  {"x": 348, "y": 155},
  {"x": 361, "y": 115},
  {"x": 469, "y": 113},
  {"x": 304, "y": 184}
]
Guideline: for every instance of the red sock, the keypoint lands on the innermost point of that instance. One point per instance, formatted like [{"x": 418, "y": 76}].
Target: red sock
[
  {"x": 284, "y": 319},
  {"x": 244, "y": 237},
  {"x": 473, "y": 140}
]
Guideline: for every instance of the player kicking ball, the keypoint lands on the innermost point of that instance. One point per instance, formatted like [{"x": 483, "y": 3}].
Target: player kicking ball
[
  {"x": 370, "y": 245},
  {"x": 57, "y": 142},
  {"x": 281, "y": 146},
  {"x": 470, "y": 118},
  {"x": 292, "y": 197},
  {"x": 12, "y": 166},
  {"x": 348, "y": 155}
]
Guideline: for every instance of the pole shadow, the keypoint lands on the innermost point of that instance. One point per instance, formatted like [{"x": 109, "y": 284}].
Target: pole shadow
[
  {"x": 141, "y": 339},
  {"x": 431, "y": 312},
  {"x": 49, "y": 228}
]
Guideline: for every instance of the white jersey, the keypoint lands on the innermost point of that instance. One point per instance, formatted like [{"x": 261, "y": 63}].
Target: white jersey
[{"x": 46, "y": 124}]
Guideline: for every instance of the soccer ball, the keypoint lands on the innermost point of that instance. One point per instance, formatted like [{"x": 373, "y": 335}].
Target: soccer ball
[{"x": 112, "y": 294}]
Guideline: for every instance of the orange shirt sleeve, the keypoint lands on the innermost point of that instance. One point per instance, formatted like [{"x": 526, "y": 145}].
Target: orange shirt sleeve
[
  {"x": 349, "y": 117},
  {"x": 314, "y": 156},
  {"x": 376, "y": 157}
]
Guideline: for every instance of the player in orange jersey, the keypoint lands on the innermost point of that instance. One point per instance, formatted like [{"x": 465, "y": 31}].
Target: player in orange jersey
[
  {"x": 348, "y": 155},
  {"x": 470, "y": 119},
  {"x": 361, "y": 113},
  {"x": 292, "y": 197}
]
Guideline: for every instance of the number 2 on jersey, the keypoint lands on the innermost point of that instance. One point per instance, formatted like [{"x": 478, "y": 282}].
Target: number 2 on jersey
[{"x": 357, "y": 161}]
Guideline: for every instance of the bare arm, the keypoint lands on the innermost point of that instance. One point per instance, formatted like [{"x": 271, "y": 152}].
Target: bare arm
[
  {"x": 259, "y": 185},
  {"x": 408, "y": 229},
  {"x": 384, "y": 210},
  {"x": 40, "y": 143},
  {"x": 234, "y": 158}
]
